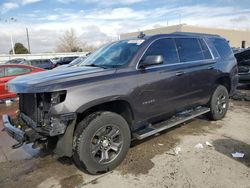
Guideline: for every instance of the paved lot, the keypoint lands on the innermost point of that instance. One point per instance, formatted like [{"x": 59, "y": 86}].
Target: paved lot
[{"x": 150, "y": 163}]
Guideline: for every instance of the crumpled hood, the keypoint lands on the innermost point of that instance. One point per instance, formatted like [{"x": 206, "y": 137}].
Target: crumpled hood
[{"x": 54, "y": 80}]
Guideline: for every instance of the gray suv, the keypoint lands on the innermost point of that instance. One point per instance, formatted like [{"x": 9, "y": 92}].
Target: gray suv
[{"x": 129, "y": 89}]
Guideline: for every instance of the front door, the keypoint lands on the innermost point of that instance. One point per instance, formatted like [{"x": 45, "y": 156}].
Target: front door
[{"x": 162, "y": 88}]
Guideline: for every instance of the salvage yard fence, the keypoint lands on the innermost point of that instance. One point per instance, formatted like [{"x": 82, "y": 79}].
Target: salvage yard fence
[{"x": 6, "y": 57}]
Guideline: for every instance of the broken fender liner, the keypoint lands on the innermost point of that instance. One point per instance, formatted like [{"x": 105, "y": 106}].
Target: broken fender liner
[{"x": 64, "y": 144}]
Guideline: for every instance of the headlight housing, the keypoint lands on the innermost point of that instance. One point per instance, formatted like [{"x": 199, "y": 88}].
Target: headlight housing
[{"x": 58, "y": 97}]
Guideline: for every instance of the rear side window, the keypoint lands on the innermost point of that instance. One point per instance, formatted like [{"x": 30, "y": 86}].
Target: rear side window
[
  {"x": 205, "y": 50},
  {"x": 189, "y": 49},
  {"x": 11, "y": 71},
  {"x": 166, "y": 48},
  {"x": 223, "y": 48}
]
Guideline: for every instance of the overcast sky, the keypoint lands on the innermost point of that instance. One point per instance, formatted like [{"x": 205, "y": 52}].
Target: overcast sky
[{"x": 99, "y": 20}]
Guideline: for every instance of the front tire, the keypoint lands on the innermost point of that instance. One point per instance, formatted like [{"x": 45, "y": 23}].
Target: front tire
[
  {"x": 101, "y": 142},
  {"x": 219, "y": 103}
]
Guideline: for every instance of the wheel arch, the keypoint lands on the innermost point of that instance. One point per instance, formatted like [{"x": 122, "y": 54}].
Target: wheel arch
[
  {"x": 65, "y": 142},
  {"x": 225, "y": 81},
  {"x": 119, "y": 106}
]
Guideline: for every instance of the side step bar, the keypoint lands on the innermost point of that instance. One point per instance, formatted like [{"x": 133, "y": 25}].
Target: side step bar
[{"x": 175, "y": 120}]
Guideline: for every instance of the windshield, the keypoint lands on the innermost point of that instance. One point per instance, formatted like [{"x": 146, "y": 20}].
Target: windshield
[
  {"x": 113, "y": 55},
  {"x": 76, "y": 61}
]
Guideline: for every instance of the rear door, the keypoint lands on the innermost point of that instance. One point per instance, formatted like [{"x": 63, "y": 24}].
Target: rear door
[
  {"x": 162, "y": 88},
  {"x": 200, "y": 69}
]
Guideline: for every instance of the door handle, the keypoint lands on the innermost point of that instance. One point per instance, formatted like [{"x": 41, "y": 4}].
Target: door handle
[
  {"x": 179, "y": 73},
  {"x": 210, "y": 67}
]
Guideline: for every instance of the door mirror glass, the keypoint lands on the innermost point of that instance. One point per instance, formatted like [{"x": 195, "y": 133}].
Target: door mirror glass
[{"x": 151, "y": 61}]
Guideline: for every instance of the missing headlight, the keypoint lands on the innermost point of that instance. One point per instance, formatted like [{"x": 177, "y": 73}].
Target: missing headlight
[{"x": 58, "y": 97}]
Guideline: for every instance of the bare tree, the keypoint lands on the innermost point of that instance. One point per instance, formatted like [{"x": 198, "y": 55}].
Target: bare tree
[{"x": 69, "y": 42}]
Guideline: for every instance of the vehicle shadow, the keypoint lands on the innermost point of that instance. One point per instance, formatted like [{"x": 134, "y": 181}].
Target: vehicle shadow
[{"x": 227, "y": 146}]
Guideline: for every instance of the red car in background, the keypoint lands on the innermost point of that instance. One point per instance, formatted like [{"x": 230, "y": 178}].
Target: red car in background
[{"x": 10, "y": 71}]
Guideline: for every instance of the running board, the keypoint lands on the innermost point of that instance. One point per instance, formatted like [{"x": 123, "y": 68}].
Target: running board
[{"x": 175, "y": 120}]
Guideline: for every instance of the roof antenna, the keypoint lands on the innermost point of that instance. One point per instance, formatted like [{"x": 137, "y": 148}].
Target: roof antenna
[{"x": 141, "y": 35}]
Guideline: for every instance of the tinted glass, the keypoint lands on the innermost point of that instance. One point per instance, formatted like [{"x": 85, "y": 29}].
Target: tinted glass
[
  {"x": 69, "y": 58},
  {"x": 76, "y": 61},
  {"x": 166, "y": 48},
  {"x": 2, "y": 72},
  {"x": 189, "y": 49},
  {"x": 113, "y": 55},
  {"x": 223, "y": 48},
  {"x": 205, "y": 50},
  {"x": 46, "y": 61},
  {"x": 11, "y": 71}
]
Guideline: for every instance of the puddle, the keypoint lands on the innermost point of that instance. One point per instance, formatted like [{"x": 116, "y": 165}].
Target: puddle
[
  {"x": 71, "y": 181},
  {"x": 227, "y": 146},
  {"x": 33, "y": 172}
]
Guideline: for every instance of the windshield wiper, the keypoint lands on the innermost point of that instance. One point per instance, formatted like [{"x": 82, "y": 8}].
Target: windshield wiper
[{"x": 94, "y": 65}]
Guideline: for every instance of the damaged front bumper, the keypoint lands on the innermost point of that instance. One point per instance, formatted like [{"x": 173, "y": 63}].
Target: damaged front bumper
[
  {"x": 29, "y": 132},
  {"x": 12, "y": 130}
]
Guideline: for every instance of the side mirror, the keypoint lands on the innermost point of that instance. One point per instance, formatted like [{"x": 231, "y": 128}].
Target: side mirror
[{"x": 151, "y": 61}]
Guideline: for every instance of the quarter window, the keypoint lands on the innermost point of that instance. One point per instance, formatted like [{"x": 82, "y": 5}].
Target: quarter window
[
  {"x": 11, "y": 71},
  {"x": 223, "y": 48},
  {"x": 164, "y": 47},
  {"x": 189, "y": 49}
]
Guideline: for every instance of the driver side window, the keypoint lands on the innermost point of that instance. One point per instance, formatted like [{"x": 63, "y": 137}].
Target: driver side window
[{"x": 164, "y": 47}]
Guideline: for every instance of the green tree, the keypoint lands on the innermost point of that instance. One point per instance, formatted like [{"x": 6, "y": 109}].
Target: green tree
[{"x": 19, "y": 49}]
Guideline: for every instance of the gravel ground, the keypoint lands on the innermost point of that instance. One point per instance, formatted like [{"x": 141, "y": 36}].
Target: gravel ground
[{"x": 149, "y": 163}]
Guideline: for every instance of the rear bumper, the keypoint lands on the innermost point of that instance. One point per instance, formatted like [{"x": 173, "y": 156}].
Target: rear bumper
[{"x": 12, "y": 131}]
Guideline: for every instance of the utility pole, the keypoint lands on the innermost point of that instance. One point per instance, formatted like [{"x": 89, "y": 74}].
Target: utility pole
[
  {"x": 11, "y": 37},
  {"x": 12, "y": 44},
  {"x": 28, "y": 39}
]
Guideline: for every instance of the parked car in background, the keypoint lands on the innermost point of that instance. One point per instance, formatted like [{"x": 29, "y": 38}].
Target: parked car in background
[
  {"x": 10, "y": 71},
  {"x": 65, "y": 60},
  {"x": 15, "y": 61},
  {"x": 73, "y": 63},
  {"x": 55, "y": 59},
  {"x": 243, "y": 59},
  {"x": 41, "y": 63},
  {"x": 126, "y": 90}
]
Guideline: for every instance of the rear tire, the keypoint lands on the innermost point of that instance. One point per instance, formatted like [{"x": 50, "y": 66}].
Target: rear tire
[
  {"x": 101, "y": 142},
  {"x": 219, "y": 103}
]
